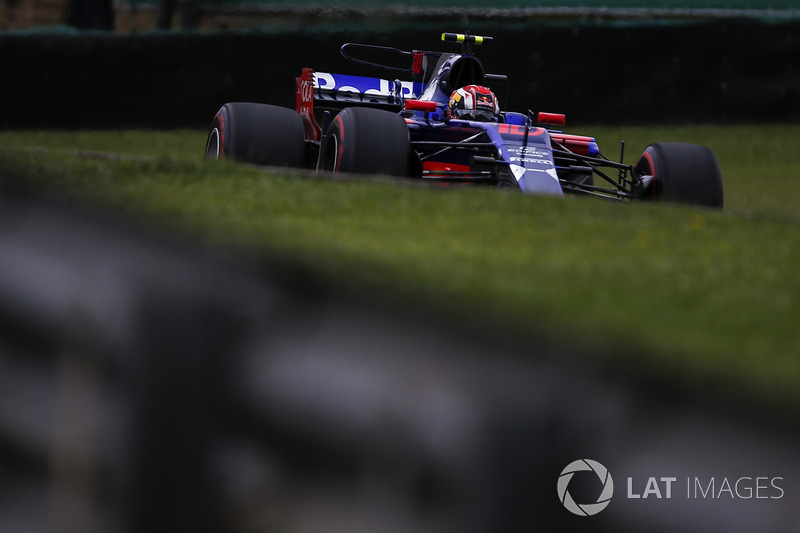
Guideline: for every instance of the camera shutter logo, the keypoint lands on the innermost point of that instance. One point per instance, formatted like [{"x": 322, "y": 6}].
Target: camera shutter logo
[{"x": 585, "y": 509}]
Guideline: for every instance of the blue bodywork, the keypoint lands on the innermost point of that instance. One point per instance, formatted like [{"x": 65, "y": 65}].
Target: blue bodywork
[
  {"x": 523, "y": 153},
  {"x": 508, "y": 152}
]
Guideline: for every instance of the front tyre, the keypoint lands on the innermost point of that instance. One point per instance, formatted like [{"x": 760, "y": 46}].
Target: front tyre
[
  {"x": 683, "y": 173},
  {"x": 366, "y": 141},
  {"x": 258, "y": 134}
]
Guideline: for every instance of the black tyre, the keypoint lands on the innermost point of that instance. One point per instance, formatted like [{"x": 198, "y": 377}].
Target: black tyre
[
  {"x": 684, "y": 173},
  {"x": 259, "y": 134},
  {"x": 366, "y": 141}
]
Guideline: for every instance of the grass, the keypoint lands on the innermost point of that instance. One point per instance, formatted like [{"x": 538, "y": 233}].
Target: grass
[{"x": 701, "y": 296}]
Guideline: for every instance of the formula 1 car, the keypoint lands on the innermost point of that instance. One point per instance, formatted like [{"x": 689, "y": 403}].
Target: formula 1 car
[{"x": 443, "y": 124}]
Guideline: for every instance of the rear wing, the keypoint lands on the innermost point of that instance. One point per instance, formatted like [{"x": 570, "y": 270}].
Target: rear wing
[
  {"x": 323, "y": 91},
  {"x": 343, "y": 88}
]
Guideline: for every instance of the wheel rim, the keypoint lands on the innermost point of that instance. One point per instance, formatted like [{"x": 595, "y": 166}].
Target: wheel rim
[
  {"x": 329, "y": 157},
  {"x": 212, "y": 146}
]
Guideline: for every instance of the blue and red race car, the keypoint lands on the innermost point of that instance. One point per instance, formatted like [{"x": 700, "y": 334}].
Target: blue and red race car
[{"x": 442, "y": 123}]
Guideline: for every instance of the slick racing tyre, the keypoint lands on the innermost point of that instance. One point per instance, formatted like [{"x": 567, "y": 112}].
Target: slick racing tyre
[
  {"x": 683, "y": 173},
  {"x": 366, "y": 141},
  {"x": 258, "y": 134}
]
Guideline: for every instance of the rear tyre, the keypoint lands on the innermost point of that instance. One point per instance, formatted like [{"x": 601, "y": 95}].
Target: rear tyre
[
  {"x": 363, "y": 140},
  {"x": 683, "y": 173},
  {"x": 258, "y": 134}
]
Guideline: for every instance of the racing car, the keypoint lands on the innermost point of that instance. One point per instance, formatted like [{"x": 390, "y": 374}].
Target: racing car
[{"x": 442, "y": 122}]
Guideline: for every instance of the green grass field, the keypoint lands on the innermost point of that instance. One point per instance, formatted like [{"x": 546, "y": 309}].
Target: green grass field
[{"x": 709, "y": 298}]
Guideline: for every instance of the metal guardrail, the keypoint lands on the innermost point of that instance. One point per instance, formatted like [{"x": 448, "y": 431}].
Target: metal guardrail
[{"x": 150, "y": 385}]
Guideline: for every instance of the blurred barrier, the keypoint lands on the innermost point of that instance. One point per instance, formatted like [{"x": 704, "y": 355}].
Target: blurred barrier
[
  {"x": 149, "y": 385},
  {"x": 709, "y": 71}
]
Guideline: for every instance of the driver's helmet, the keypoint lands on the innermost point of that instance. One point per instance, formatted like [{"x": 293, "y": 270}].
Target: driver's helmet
[{"x": 473, "y": 102}]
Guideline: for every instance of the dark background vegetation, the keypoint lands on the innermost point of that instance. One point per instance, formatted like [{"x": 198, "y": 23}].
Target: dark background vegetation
[{"x": 730, "y": 70}]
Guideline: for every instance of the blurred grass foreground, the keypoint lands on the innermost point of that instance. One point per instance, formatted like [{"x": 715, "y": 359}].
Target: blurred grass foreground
[
  {"x": 666, "y": 290},
  {"x": 380, "y": 356}
]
